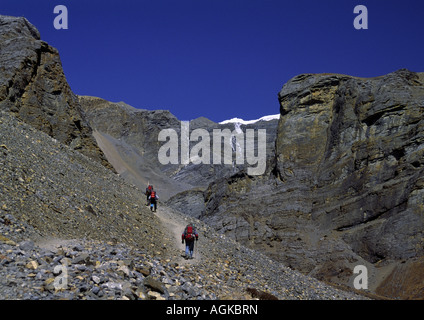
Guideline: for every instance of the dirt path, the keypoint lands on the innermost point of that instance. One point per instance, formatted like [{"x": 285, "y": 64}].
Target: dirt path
[
  {"x": 52, "y": 243},
  {"x": 175, "y": 226}
]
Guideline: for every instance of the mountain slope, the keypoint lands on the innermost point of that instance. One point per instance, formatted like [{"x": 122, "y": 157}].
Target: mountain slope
[
  {"x": 62, "y": 193},
  {"x": 66, "y": 217},
  {"x": 59, "y": 208},
  {"x": 128, "y": 137}
]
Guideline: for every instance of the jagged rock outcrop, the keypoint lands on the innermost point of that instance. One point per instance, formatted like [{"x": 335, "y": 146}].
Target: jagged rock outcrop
[
  {"x": 33, "y": 87},
  {"x": 348, "y": 185}
]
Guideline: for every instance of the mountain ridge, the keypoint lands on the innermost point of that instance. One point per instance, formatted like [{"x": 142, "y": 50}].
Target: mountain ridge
[{"x": 141, "y": 151}]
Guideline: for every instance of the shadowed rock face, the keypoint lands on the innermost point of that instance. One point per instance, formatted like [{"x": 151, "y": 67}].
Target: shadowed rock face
[
  {"x": 355, "y": 148},
  {"x": 347, "y": 185},
  {"x": 34, "y": 88}
]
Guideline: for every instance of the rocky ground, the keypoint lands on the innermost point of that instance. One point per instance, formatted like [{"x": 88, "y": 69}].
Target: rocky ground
[
  {"x": 86, "y": 269},
  {"x": 71, "y": 229}
]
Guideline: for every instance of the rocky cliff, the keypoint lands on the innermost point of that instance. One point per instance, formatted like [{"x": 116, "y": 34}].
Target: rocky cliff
[
  {"x": 33, "y": 87},
  {"x": 347, "y": 185},
  {"x": 355, "y": 149}
]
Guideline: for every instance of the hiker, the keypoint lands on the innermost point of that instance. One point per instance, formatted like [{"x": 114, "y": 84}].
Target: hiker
[
  {"x": 153, "y": 200},
  {"x": 148, "y": 191},
  {"x": 189, "y": 235}
]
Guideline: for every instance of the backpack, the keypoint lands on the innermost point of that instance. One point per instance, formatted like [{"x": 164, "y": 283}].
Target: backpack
[
  {"x": 150, "y": 188},
  {"x": 153, "y": 195},
  {"x": 189, "y": 234}
]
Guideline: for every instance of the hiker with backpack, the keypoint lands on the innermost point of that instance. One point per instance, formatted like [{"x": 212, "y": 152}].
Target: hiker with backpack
[
  {"x": 153, "y": 198},
  {"x": 189, "y": 236},
  {"x": 148, "y": 192}
]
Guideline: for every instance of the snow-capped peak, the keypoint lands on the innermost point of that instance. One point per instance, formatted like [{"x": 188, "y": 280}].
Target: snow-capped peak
[{"x": 241, "y": 121}]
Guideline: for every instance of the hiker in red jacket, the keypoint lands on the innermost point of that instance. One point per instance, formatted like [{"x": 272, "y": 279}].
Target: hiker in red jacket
[
  {"x": 153, "y": 198},
  {"x": 189, "y": 235},
  {"x": 148, "y": 192}
]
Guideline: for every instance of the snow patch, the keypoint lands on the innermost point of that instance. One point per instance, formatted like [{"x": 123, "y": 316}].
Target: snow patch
[{"x": 241, "y": 121}]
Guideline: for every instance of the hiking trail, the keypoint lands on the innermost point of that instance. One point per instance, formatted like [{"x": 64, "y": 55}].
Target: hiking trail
[{"x": 175, "y": 225}]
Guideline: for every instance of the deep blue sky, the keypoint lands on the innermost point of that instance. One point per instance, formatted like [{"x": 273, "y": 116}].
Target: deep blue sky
[{"x": 221, "y": 58}]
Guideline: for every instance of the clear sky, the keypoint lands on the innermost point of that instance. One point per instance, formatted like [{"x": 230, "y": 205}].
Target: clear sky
[{"x": 221, "y": 58}]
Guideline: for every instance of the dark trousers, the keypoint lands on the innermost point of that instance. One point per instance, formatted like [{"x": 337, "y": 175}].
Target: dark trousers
[
  {"x": 189, "y": 247},
  {"x": 153, "y": 202}
]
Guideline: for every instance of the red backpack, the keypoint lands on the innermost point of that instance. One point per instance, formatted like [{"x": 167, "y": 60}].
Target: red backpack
[
  {"x": 153, "y": 195},
  {"x": 189, "y": 233}
]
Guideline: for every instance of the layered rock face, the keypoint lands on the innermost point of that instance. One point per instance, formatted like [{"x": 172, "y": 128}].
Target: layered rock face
[
  {"x": 34, "y": 88},
  {"x": 355, "y": 149},
  {"x": 347, "y": 185}
]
